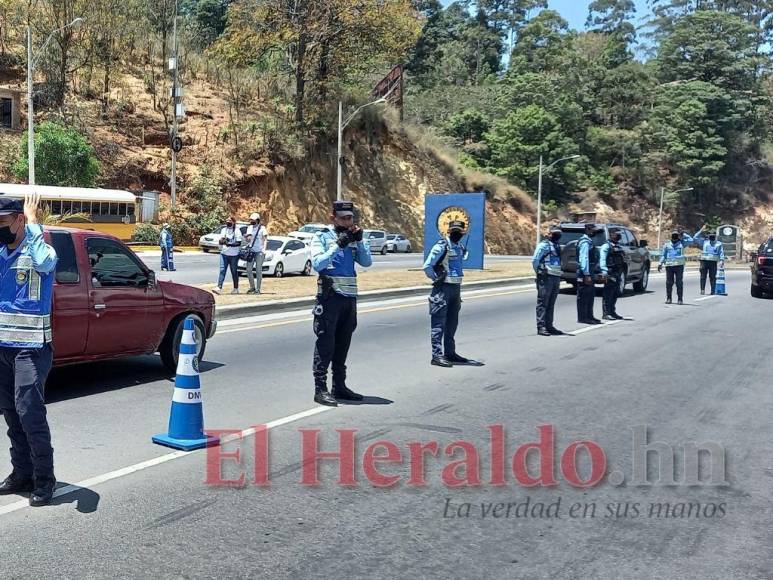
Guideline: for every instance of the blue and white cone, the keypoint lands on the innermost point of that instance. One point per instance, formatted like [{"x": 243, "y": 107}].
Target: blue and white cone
[
  {"x": 186, "y": 419},
  {"x": 721, "y": 288}
]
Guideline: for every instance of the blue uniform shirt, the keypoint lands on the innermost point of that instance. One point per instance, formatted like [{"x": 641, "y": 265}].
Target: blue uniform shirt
[
  {"x": 26, "y": 291},
  {"x": 674, "y": 251},
  {"x": 453, "y": 261},
  {"x": 714, "y": 251},
  {"x": 547, "y": 258},
  {"x": 603, "y": 253},
  {"x": 166, "y": 239},
  {"x": 584, "y": 246},
  {"x": 329, "y": 259}
]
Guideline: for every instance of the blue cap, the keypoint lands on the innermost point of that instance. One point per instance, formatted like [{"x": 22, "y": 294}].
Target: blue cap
[
  {"x": 343, "y": 208},
  {"x": 9, "y": 205}
]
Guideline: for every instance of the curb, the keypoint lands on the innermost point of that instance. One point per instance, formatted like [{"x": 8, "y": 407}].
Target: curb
[{"x": 232, "y": 311}]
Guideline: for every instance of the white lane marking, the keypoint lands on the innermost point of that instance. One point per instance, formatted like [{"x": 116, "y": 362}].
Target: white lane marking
[
  {"x": 705, "y": 298},
  {"x": 94, "y": 481},
  {"x": 594, "y": 327}
]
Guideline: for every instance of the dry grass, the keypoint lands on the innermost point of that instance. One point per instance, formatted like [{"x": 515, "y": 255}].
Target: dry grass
[{"x": 306, "y": 286}]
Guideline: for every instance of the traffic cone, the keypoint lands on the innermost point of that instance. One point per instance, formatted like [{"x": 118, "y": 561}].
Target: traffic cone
[
  {"x": 186, "y": 418},
  {"x": 721, "y": 289}
]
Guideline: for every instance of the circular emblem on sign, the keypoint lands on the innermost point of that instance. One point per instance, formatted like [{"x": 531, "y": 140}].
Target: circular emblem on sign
[
  {"x": 21, "y": 277},
  {"x": 177, "y": 144},
  {"x": 451, "y": 214},
  {"x": 727, "y": 231}
]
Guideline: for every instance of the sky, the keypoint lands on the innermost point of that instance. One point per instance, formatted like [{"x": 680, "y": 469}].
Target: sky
[{"x": 576, "y": 11}]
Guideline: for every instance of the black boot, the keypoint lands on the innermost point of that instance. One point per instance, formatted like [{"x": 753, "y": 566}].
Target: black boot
[
  {"x": 43, "y": 492},
  {"x": 543, "y": 332},
  {"x": 555, "y": 332},
  {"x": 325, "y": 398},
  {"x": 16, "y": 483},
  {"x": 440, "y": 361},
  {"x": 344, "y": 393}
]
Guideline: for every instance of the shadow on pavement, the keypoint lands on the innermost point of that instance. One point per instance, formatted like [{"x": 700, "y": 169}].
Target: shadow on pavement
[
  {"x": 85, "y": 500},
  {"x": 369, "y": 401},
  {"x": 81, "y": 380}
]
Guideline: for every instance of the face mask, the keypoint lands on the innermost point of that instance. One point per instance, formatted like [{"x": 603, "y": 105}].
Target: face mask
[
  {"x": 455, "y": 236},
  {"x": 555, "y": 238},
  {"x": 674, "y": 239},
  {"x": 7, "y": 236},
  {"x": 615, "y": 240},
  {"x": 341, "y": 229},
  {"x": 712, "y": 238},
  {"x": 229, "y": 225}
]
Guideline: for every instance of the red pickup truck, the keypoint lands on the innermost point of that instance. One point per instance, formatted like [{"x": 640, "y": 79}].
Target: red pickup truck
[{"x": 108, "y": 304}]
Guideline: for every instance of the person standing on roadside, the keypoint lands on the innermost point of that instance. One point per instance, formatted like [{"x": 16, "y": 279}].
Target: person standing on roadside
[
  {"x": 230, "y": 242},
  {"x": 612, "y": 264},
  {"x": 712, "y": 257},
  {"x": 547, "y": 265},
  {"x": 27, "y": 266},
  {"x": 167, "y": 248},
  {"x": 257, "y": 240},
  {"x": 674, "y": 259},
  {"x": 587, "y": 261}
]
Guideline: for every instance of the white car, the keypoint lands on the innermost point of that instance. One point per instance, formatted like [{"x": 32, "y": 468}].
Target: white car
[
  {"x": 284, "y": 255},
  {"x": 211, "y": 242},
  {"x": 398, "y": 243},
  {"x": 377, "y": 239},
  {"x": 306, "y": 232}
]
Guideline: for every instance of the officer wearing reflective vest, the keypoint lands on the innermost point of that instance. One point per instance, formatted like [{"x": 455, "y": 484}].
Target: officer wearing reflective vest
[
  {"x": 587, "y": 262},
  {"x": 167, "y": 248},
  {"x": 547, "y": 265},
  {"x": 445, "y": 267},
  {"x": 334, "y": 253},
  {"x": 26, "y": 289},
  {"x": 712, "y": 257},
  {"x": 673, "y": 258},
  {"x": 612, "y": 264}
]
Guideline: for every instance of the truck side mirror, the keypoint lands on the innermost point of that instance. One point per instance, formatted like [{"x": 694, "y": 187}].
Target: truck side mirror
[
  {"x": 643, "y": 243},
  {"x": 151, "y": 279}
]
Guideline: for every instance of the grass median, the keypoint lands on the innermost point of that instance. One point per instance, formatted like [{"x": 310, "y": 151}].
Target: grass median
[{"x": 374, "y": 279}]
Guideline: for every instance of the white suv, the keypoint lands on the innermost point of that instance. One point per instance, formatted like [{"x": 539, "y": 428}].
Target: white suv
[{"x": 377, "y": 240}]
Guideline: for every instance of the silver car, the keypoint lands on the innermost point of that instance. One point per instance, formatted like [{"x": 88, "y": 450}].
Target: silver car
[
  {"x": 398, "y": 243},
  {"x": 211, "y": 242},
  {"x": 377, "y": 240}
]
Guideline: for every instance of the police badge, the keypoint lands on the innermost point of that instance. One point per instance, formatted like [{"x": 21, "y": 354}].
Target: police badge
[{"x": 21, "y": 277}]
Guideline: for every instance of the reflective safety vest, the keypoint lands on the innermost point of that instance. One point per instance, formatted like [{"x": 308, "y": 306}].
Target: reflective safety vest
[
  {"x": 712, "y": 253},
  {"x": 551, "y": 261},
  {"x": 341, "y": 273},
  {"x": 25, "y": 301}
]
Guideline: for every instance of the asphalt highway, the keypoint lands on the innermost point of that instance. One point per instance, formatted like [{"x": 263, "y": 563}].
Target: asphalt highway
[
  {"x": 698, "y": 373},
  {"x": 199, "y": 268}
]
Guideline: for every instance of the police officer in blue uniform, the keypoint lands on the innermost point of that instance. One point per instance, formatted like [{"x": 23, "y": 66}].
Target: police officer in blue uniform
[
  {"x": 674, "y": 259},
  {"x": 587, "y": 261},
  {"x": 334, "y": 253},
  {"x": 612, "y": 264},
  {"x": 547, "y": 265},
  {"x": 712, "y": 257},
  {"x": 167, "y": 249},
  {"x": 26, "y": 289},
  {"x": 444, "y": 266}
]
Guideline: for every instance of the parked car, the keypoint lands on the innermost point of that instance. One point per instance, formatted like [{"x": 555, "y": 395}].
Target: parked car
[
  {"x": 284, "y": 255},
  {"x": 108, "y": 304},
  {"x": 398, "y": 243},
  {"x": 762, "y": 270},
  {"x": 306, "y": 232},
  {"x": 212, "y": 241},
  {"x": 377, "y": 240},
  {"x": 637, "y": 256}
]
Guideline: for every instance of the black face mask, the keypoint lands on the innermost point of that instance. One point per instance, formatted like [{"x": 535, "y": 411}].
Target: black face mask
[
  {"x": 674, "y": 239},
  {"x": 7, "y": 236},
  {"x": 712, "y": 238},
  {"x": 555, "y": 238},
  {"x": 341, "y": 229},
  {"x": 455, "y": 236},
  {"x": 614, "y": 240}
]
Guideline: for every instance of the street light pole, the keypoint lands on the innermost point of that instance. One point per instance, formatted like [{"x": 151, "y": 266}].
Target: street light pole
[
  {"x": 539, "y": 189},
  {"x": 173, "y": 184},
  {"x": 30, "y": 101},
  {"x": 660, "y": 214}
]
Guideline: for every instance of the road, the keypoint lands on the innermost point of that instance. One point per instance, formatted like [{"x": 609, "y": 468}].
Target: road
[
  {"x": 196, "y": 268},
  {"x": 693, "y": 373}
]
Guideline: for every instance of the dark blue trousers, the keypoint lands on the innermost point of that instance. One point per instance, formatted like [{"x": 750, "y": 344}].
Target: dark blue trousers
[
  {"x": 23, "y": 374},
  {"x": 445, "y": 302}
]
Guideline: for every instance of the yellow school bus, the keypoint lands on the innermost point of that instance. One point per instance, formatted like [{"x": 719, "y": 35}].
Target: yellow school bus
[{"x": 111, "y": 211}]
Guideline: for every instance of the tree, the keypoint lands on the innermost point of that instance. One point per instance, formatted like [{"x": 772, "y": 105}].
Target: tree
[
  {"x": 613, "y": 19},
  {"x": 542, "y": 44},
  {"x": 63, "y": 157}
]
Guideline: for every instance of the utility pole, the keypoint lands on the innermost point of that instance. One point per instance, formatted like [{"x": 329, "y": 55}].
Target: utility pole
[{"x": 177, "y": 107}]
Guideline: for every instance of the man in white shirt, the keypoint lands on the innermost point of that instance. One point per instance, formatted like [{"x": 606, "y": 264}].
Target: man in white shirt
[
  {"x": 230, "y": 242},
  {"x": 257, "y": 239}
]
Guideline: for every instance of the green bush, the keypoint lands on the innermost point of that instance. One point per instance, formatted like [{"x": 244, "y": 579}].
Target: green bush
[
  {"x": 146, "y": 233},
  {"x": 63, "y": 157}
]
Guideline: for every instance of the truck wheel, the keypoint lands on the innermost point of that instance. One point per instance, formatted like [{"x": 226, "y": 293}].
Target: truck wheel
[
  {"x": 384, "y": 250},
  {"x": 641, "y": 285},
  {"x": 622, "y": 281},
  {"x": 757, "y": 292},
  {"x": 170, "y": 347}
]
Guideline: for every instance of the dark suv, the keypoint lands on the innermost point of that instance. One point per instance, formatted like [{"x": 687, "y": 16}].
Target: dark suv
[
  {"x": 637, "y": 256},
  {"x": 762, "y": 270}
]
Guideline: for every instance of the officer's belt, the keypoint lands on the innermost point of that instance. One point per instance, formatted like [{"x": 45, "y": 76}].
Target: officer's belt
[
  {"x": 453, "y": 280},
  {"x": 710, "y": 257},
  {"x": 24, "y": 329},
  {"x": 25, "y": 321},
  {"x": 678, "y": 261},
  {"x": 346, "y": 285},
  {"x": 553, "y": 269}
]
